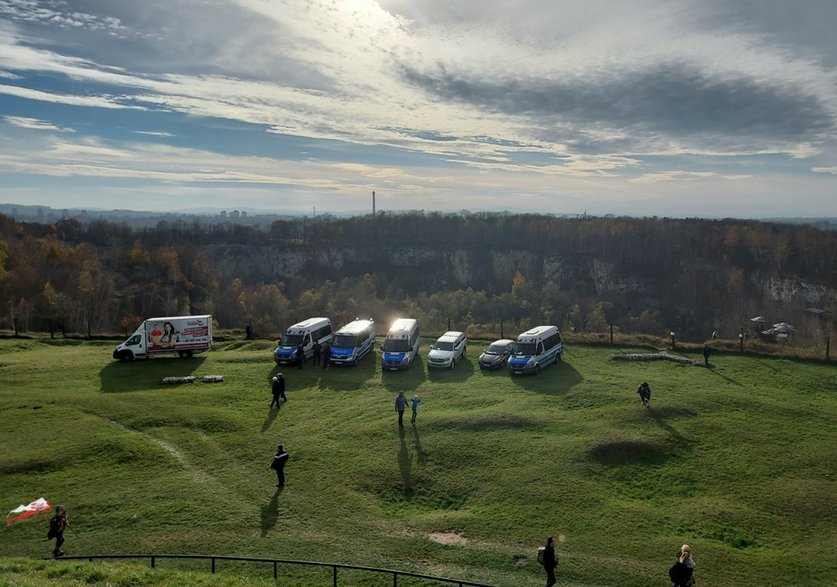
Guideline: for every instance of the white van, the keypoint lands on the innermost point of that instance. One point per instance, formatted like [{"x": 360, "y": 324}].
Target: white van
[
  {"x": 305, "y": 332},
  {"x": 448, "y": 350},
  {"x": 536, "y": 348},
  {"x": 352, "y": 342},
  {"x": 401, "y": 345}
]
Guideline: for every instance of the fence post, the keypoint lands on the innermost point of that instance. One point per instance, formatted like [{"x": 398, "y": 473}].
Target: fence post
[
  {"x": 152, "y": 562},
  {"x": 827, "y": 347},
  {"x": 275, "y": 570},
  {"x": 395, "y": 580},
  {"x": 213, "y": 565},
  {"x": 334, "y": 569}
]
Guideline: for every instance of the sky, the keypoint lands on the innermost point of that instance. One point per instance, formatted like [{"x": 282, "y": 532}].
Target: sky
[{"x": 677, "y": 108}]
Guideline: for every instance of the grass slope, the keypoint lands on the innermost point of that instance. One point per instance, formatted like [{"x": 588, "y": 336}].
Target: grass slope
[{"x": 737, "y": 460}]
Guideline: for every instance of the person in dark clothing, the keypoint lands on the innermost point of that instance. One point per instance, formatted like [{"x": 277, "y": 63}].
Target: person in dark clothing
[
  {"x": 326, "y": 354},
  {"x": 682, "y": 571},
  {"x": 300, "y": 355},
  {"x": 57, "y": 525},
  {"x": 315, "y": 359},
  {"x": 706, "y": 352},
  {"x": 278, "y": 389},
  {"x": 278, "y": 465},
  {"x": 550, "y": 561},
  {"x": 644, "y": 391},
  {"x": 400, "y": 406}
]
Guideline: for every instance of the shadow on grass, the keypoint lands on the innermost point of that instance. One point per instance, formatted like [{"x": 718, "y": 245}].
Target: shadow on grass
[
  {"x": 463, "y": 370},
  {"x": 270, "y": 512},
  {"x": 624, "y": 452},
  {"x": 553, "y": 380},
  {"x": 421, "y": 456},
  {"x": 487, "y": 422},
  {"x": 116, "y": 377},
  {"x": 271, "y": 416},
  {"x": 349, "y": 377},
  {"x": 726, "y": 378},
  {"x": 658, "y": 416},
  {"x": 410, "y": 379},
  {"x": 405, "y": 461}
]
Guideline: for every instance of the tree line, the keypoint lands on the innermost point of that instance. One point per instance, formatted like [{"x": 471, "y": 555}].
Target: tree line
[{"x": 469, "y": 270}]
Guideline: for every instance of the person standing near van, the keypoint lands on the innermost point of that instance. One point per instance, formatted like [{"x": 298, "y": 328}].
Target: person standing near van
[
  {"x": 300, "y": 355},
  {"x": 326, "y": 354},
  {"x": 315, "y": 359},
  {"x": 400, "y": 406}
]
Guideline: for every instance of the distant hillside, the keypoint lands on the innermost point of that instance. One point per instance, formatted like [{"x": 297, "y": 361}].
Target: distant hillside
[{"x": 692, "y": 277}]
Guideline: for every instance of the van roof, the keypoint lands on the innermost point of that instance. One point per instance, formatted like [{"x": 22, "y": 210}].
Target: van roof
[
  {"x": 310, "y": 322},
  {"x": 536, "y": 331},
  {"x": 355, "y": 326},
  {"x": 170, "y": 318},
  {"x": 403, "y": 324}
]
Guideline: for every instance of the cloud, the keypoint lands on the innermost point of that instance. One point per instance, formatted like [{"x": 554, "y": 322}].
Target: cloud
[
  {"x": 832, "y": 170},
  {"x": 665, "y": 176},
  {"x": 34, "y": 124},
  {"x": 154, "y": 133}
]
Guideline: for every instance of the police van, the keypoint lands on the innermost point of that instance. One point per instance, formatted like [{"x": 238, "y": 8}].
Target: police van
[
  {"x": 534, "y": 349},
  {"x": 401, "y": 345},
  {"x": 352, "y": 342},
  {"x": 306, "y": 332}
]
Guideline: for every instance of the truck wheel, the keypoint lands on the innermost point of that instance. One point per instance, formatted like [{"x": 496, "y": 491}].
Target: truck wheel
[
  {"x": 126, "y": 356},
  {"x": 185, "y": 354}
]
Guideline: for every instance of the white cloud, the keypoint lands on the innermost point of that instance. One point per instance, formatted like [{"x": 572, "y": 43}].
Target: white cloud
[
  {"x": 832, "y": 170},
  {"x": 34, "y": 124}
]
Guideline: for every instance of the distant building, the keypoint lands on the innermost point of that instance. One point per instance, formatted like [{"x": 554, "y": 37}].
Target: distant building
[
  {"x": 234, "y": 214},
  {"x": 223, "y": 213}
]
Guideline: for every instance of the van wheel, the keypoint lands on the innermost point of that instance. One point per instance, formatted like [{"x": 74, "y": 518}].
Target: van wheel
[
  {"x": 126, "y": 356},
  {"x": 537, "y": 368},
  {"x": 558, "y": 358},
  {"x": 185, "y": 354}
]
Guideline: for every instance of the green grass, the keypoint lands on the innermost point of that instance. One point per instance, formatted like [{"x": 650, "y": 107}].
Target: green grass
[{"x": 737, "y": 460}]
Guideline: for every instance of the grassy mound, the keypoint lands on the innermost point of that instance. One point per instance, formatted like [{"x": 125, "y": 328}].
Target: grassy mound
[{"x": 736, "y": 460}]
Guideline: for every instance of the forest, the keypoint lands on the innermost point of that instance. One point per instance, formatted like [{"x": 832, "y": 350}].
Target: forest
[{"x": 476, "y": 272}]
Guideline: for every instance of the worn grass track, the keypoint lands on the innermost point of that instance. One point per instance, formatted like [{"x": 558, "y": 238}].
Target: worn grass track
[{"x": 738, "y": 460}]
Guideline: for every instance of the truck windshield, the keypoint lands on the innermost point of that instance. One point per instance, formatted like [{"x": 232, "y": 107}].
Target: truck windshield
[
  {"x": 291, "y": 340},
  {"x": 396, "y": 346},
  {"x": 345, "y": 340},
  {"x": 525, "y": 348}
]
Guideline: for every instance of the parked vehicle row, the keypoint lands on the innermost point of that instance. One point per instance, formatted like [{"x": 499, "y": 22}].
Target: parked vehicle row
[{"x": 184, "y": 335}]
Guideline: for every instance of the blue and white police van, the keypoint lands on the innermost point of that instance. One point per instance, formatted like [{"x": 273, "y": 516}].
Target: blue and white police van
[
  {"x": 352, "y": 342},
  {"x": 534, "y": 349},
  {"x": 401, "y": 345},
  {"x": 306, "y": 332}
]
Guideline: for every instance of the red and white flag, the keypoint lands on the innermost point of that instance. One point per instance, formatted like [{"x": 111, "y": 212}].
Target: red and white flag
[{"x": 24, "y": 511}]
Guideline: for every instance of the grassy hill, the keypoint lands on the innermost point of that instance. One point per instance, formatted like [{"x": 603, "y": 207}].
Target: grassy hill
[{"x": 737, "y": 460}]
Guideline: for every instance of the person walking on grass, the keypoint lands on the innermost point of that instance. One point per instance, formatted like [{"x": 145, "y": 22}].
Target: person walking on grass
[
  {"x": 550, "y": 561},
  {"x": 278, "y": 389},
  {"x": 278, "y": 465},
  {"x": 682, "y": 571},
  {"x": 400, "y": 406},
  {"x": 57, "y": 525},
  {"x": 414, "y": 404},
  {"x": 644, "y": 391}
]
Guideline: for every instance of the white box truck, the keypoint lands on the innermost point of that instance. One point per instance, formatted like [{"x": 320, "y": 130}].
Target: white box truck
[{"x": 180, "y": 335}]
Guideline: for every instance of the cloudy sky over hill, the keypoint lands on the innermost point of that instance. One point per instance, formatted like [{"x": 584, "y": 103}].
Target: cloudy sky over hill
[{"x": 678, "y": 108}]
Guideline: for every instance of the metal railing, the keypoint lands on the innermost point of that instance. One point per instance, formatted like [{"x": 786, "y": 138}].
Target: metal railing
[{"x": 276, "y": 562}]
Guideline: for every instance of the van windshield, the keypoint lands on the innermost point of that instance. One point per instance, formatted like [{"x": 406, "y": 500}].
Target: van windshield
[
  {"x": 525, "y": 348},
  {"x": 344, "y": 340},
  {"x": 291, "y": 340},
  {"x": 396, "y": 346}
]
